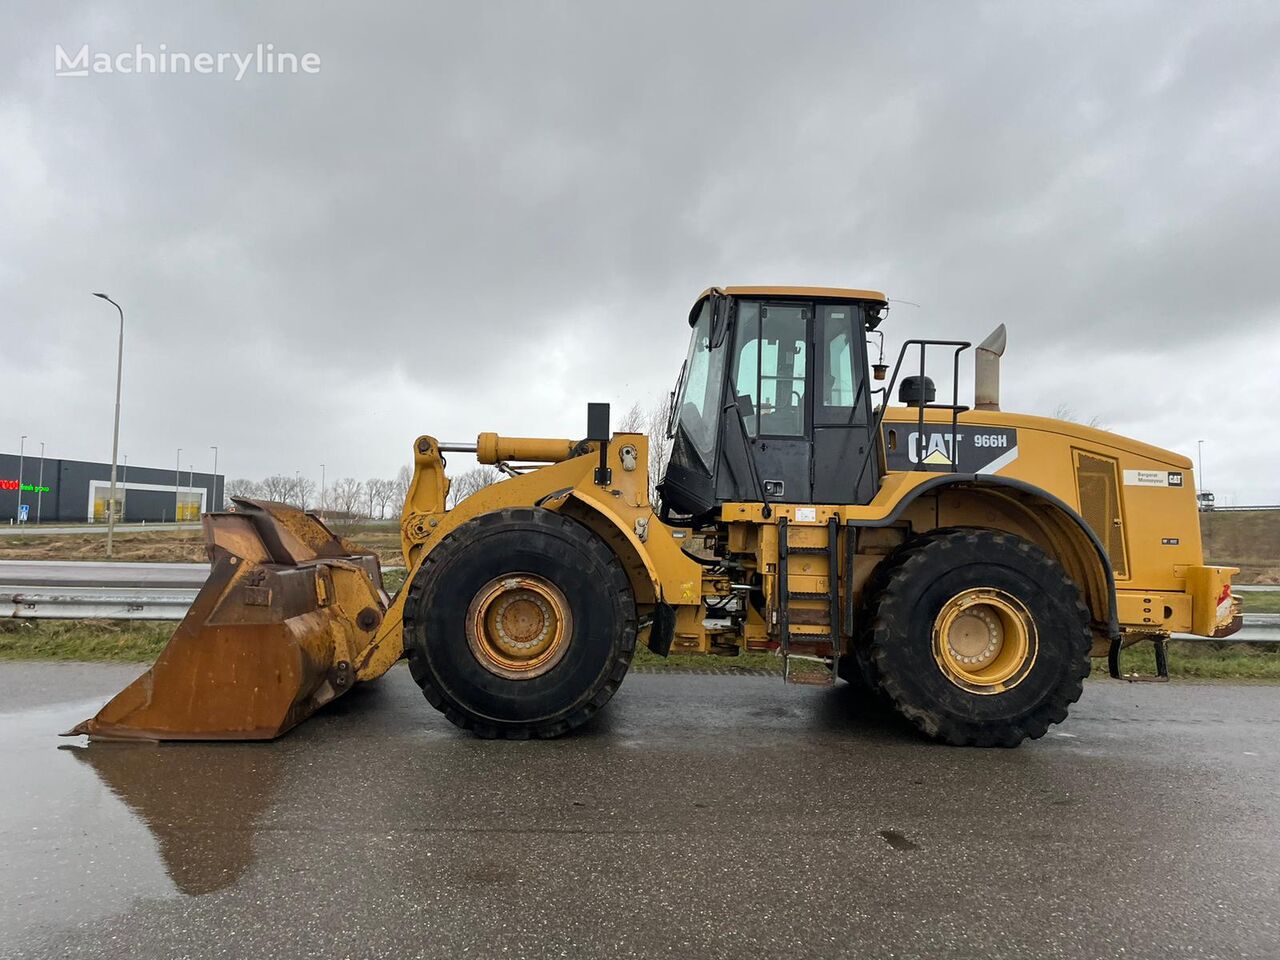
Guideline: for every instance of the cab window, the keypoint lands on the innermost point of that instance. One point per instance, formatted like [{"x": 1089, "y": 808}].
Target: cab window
[
  {"x": 699, "y": 401},
  {"x": 839, "y": 367},
  {"x": 770, "y": 367}
]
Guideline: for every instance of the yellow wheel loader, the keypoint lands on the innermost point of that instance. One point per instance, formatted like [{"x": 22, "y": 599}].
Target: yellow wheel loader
[{"x": 961, "y": 562}]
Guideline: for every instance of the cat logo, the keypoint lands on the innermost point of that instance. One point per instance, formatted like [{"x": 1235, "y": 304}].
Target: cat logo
[
  {"x": 971, "y": 449},
  {"x": 933, "y": 448}
]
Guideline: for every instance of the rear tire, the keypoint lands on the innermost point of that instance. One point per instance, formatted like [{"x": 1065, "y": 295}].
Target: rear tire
[
  {"x": 578, "y": 592},
  {"x": 978, "y": 637},
  {"x": 856, "y": 667}
]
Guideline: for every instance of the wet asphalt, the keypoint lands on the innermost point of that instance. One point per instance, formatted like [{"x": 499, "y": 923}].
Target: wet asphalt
[{"x": 699, "y": 816}]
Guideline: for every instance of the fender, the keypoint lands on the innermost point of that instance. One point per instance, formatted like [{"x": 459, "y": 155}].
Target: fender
[
  {"x": 636, "y": 558},
  {"x": 1027, "y": 489},
  {"x": 621, "y": 538}
]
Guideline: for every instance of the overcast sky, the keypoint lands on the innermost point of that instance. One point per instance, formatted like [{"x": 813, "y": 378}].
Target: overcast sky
[{"x": 482, "y": 216}]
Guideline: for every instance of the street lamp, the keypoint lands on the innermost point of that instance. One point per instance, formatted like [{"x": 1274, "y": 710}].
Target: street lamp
[
  {"x": 177, "y": 482},
  {"x": 40, "y": 483},
  {"x": 216, "y": 501},
  {"x": 322, "y": 491},
  {"x": 115, "y": 433},
  {"x": 22, "y": 442}
]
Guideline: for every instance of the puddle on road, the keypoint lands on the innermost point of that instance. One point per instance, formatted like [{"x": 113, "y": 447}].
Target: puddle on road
[{"x": 86, "y": 830}]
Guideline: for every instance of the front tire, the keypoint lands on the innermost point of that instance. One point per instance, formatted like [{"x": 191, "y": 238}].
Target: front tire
[
  {"x": 978, "y": 637},
  {"x": 520, "y": 623}
]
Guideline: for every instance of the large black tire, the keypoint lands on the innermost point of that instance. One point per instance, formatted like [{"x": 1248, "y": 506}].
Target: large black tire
[
  {"x": 920, "y": 579},
  {"x": 856, "y": 667},
  {"x": 599, "y": 644}
]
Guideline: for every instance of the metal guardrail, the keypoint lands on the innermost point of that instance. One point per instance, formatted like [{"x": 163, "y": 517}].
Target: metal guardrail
[
  {"x": 94, "y": 603},
  {"x": 1244, "y": 509},
  {"x": 1258, "y": 628},
  {"x": 67, "y": 590},
  {"x": 53, "y": 528}
]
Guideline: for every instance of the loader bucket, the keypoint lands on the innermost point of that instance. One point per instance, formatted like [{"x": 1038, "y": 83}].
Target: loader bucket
[{"x": 272, "y": 636}]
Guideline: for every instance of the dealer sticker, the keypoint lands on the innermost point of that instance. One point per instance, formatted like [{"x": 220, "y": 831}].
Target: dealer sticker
[{"x": 1152, "y": 478}]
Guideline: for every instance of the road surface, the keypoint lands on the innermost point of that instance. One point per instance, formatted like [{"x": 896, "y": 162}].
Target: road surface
[{"x": 697, "y": 817}]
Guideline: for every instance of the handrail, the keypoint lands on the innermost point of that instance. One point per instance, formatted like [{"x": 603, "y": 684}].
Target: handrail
[{"x": 954, "y": 407}]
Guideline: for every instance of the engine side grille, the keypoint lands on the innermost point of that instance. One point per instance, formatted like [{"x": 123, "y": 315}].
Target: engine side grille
[{"x": 1100, "y": 506}]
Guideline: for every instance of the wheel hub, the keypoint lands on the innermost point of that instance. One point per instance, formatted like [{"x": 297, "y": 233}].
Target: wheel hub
[
  {"x": 518, "y": 626},
  {"x": 984, "y": 640}
]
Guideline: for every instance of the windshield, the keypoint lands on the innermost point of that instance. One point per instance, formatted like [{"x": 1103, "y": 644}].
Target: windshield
[{"x": 698, "y": 401}]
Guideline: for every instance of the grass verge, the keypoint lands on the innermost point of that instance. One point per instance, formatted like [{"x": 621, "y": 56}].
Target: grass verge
[
  {"x": 131, "y": 642},
  {"x": 1203, "y": 660},
  {"x": 122, "y": 641},
  {"x": 1261, "y": 601}
]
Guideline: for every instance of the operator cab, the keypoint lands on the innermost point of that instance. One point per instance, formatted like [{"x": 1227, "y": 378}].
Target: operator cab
[{"x": 773, "y": 403}]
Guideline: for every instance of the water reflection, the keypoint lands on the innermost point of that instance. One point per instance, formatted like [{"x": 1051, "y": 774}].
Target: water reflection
[{"x": 201, "y": 802}]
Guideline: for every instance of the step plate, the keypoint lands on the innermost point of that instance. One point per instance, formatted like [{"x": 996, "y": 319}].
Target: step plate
[{"x": 809, "y": 671}]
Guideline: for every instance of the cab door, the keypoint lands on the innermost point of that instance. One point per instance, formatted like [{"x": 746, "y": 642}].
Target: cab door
[
  {"x": 845, "y": 468},
  {"x": 770, "y": 369}
]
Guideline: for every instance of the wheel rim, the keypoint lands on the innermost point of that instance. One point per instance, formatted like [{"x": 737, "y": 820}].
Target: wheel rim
[
  {"x": 984, "y": 640},
  {"x": 518, "y": 626}
]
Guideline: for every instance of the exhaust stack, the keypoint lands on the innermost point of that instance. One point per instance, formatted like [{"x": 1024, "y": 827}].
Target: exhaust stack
[{"x": 986, "y": 370}]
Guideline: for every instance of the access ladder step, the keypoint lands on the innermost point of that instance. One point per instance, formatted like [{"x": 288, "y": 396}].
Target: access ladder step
[
  {"x": 805, "y": 595},
  {"x": 811, "y": 645},
  {"x": 811, "y": 671},
  {"x": 811, "y": 551}
]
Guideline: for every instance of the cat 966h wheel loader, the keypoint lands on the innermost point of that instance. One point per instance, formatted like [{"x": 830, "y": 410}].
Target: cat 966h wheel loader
[{"x": 962, "y": 562}]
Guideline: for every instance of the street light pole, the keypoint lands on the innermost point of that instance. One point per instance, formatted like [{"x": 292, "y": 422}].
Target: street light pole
[
  {"x": 1200, "y": 463},
  {"x": 217, "y": 500},
  {"x": 40, "y": 483},
  {"x": 322, "y": 491},
  {"x": 17, "y": 514},
  {"x": 124, "y": 492},
  {"x": 177, "y": 482},
  {"x": 115, "y": 433}
]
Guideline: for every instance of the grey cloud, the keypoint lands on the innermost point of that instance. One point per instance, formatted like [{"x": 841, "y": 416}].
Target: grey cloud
[{"x": 482, "y": 216}]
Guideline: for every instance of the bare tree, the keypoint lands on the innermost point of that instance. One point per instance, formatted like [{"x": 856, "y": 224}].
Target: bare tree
[
  {"x": 388, "y": 490},
  {"x": 659, "y": 443},
  {"x": 243, "y": 487},
  {"x": 403, "y": 479},
  {"x": 302, "y": 490},
  {"x": 634, "y": 420},
  {"x": 347, "y": 497},
  {"x": 277, "y": 487},
  {"x": 468, "y": 482},
  {"x": 371, "y": 496},
  {"x": 1064, "y": 411}
]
